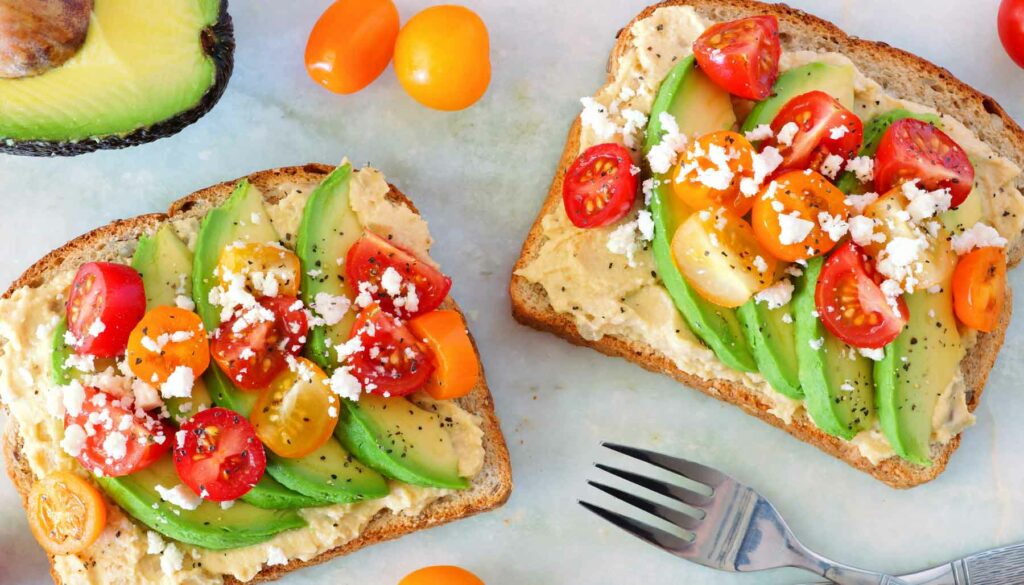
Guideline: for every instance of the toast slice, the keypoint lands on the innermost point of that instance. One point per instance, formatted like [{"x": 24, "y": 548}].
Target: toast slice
[
  {"x": 901, "y": 74},
  {"x": 489, "y": 489}
]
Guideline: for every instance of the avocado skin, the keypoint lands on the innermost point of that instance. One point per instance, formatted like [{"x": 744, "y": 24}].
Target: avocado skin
[
  {"x": 219, "y": 42},
  {"x": 773, "y": 343}
]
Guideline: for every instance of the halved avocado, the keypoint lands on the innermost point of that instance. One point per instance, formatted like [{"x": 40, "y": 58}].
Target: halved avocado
[{"x": 146, "y": 70}]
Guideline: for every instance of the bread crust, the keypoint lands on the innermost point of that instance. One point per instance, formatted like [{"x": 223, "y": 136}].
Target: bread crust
[
  {"x": 490, "y": 488},
  {"x": 887, "y": 65}
]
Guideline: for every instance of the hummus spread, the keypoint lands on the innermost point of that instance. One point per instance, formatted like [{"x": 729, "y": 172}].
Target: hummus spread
[
  {"x": 607, "y": 294},
  {"x": 120, "y": 555}
]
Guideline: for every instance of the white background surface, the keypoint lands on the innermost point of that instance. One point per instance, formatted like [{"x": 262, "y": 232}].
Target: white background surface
[{"x": 479, "y": 177}]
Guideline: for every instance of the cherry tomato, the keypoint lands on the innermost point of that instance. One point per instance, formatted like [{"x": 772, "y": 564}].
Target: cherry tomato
[
  {"x": 251, "y": 348},
  {"x": 599, "y": 189},
  {"x": 130, "y": 441},
  {"x": 165, "y": 339},
  {"x": 105, "y": 302},
  {"x": 457, "y": 368},
  {"x": 298, "y": 413},
  {"x": 351, "y": 44},
  {"x": 441, "y": 575},
  {"x": 442, "y": 57},
  {"x": 66, "y": 513},
  {"x": 824, "y": 127},
  {"x": 1011, "y": 29},
  {"x": 721, "y": 258},
  {"x": 371, "y": 257},
  {"x": 391, "y": 361},
  {"x": 220, "y": 458},
  {"x": 914, "y": 149},
  {"x": 798, "y": 197},
  {"x": 741, "y": 56},
  {"x": 704, "y": 158},
  {"x": 850, "y": 303},
  {"x": 979, "y": 288},
  {"x": 274, "y": 270}
]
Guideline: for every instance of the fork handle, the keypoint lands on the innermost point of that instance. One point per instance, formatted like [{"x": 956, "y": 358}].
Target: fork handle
[{"x": 844, "y": 574}]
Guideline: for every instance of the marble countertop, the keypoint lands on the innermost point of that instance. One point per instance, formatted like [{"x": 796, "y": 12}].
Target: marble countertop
[{"x": 479, "y": 177}]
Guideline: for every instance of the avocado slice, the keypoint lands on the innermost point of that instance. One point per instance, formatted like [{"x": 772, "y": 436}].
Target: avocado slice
[
  {"x": 165, "y": 263},
  {"x": 836, "y": 379},
  {"x": 835, "y": 80},
  {"x": 772, "y": 337},
  {"x": 328, "y": 229},
  {"x": 873, "y": 132},
  {"x": 146, "y": 70},
  {"x": 699, "y": 107},
  {"x": 400, "y": 440},
  {"x": 916, "y": 369}
]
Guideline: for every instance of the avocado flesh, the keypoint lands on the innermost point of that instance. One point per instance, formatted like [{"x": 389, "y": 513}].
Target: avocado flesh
[
  {"x": 917, "y": 368},
  {"x": 165, "y": 263},
  {"x": 836, "y": 379},
  {"x": 873, "y": 132},
  {"x": 400, "y": 440},
  {"x": 699, "y": 107},
  {"x": 835, "y": 80},
  {"x": 146, "y": 70}
]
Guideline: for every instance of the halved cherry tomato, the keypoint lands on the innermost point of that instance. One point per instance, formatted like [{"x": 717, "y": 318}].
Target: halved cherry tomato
[
  {"x": 351, "y": 44},
  {"x": 824, "y": 127},
  {"x": 979, "y": 288},
  {"x": 391, "y": 361},
  {"x": 914, "y": 149},
  {"x": 271, "y": 270},
  {"x": 220, "y": 458},
  {"x": 251, "y": 347},
  {"x": 130, "y": 441},
  {"x": 165, "y": 339},
  {"x": 721, "y": 258},
  {"x": 457, "y": 367},
  {"x": 1011, "y": 29},
  {"x": 741, "y": 56},
  {"x": 599, "y": 189},
  {"x": 722, "y": 159},
  {"x": 371, "y": 256},
  {"x": 298, "y": 412},
  {"x": 850, "y": 303},
  {"x": 105, "y": 302},
  {"x": 441, "y": 575},
  {"x": 66, "y": 513},
  {"x": 800, "y": 197}
]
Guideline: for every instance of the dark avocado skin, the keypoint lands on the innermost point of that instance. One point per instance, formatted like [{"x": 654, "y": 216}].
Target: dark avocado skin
[{"x": 219, "y": 42}]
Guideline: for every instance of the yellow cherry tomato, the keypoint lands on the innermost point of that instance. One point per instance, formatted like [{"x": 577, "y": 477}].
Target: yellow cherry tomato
[
  {"x": 441, "y": 575},
  {"x": 268, "y": 270},
  {"x": 66, "y": 513},
  {"x": 298, "y": 412},
  {"x": 705, "y": 156},
  {"x": 167, "y": 338},
  {"x": 442, "y": 57},
  {"x": 351, "y": 44}
]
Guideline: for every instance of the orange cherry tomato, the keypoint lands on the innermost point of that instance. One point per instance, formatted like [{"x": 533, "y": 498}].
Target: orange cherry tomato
[
  {"x": 442, "y": 57},
  {"x": 801, "y": 196},
  {"x": 65, "y": 513},
  {"x": 979, "y": 288},
  {"x": 441, "y": 575},
  {"x": 271, "y": 270},
  {"x": 457, "y": 369},
  {"x": 167, "y": 338},
  {"x": 700, "y": 160},
  {"x": 351, "y": 44},
  {"x": 298, "y": 412}
]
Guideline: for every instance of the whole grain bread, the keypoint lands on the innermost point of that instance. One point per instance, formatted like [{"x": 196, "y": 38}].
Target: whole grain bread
[
  {"x": 116, "y": 241},
  {"x": 901, "y": 74}
]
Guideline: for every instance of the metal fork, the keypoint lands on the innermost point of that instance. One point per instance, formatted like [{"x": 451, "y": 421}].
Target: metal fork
[{"x": 732, "y": 529}]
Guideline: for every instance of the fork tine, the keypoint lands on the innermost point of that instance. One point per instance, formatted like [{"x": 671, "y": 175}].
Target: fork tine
[
  {"x": 684, "y": 495},
  {"x": 673, "y": 516},
  {"x": 644, "y": 532},
  {"x": 689, "y": 469}
]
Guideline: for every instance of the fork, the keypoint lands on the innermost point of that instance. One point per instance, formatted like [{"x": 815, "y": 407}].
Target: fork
[{"x": 733, "y": 528}]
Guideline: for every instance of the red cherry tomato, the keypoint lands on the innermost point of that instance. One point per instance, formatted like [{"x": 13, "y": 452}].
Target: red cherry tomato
[
  {"x": 825, "y": 127},
  {"x": 979, "y": 288},
  {"x": 105, "y": 303},
  {"x": 391, "y": 360},
  {"x": 599, "y": 188},
  {"x": 850, "y": 303},
  {"x": 351, "y": 44},
  {"x": 220, "y": 458},
  {"x": 254, "y": 353},
  {"x": 741, "y": 56},
  {"x": 370, "y": 257},
  {"x": 913, "y": 149},
  {"x": 1011, "y": 29},
  {"x": 117, "y": 439}
]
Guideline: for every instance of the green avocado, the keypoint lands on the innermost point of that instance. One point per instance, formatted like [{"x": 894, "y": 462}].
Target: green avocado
[
  {"x": 401, "y": 440},
  {"x": 918, "y": 366},
  {"x": 707, "y": 109},
  {"x": 146, "y": 70},
  {"x": 873, "y": 132},
  {"x": 835, "y": 80},
  {"x": 772, "y": 337},
  {"x": 836, "y": 379},
  {"x": 165, "y": 263}
]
